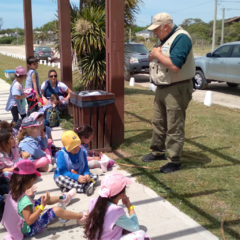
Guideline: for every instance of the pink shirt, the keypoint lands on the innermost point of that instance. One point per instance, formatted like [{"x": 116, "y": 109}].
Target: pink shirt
[{"x": 9, "y": 161}]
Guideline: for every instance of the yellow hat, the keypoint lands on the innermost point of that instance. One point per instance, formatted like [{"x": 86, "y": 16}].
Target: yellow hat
[{"x": 70, "y": 140}]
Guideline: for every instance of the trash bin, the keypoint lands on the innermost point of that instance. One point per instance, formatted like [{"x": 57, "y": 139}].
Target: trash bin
[
  {"x": 10, "y": 74},
  {"x": 96, "y": 111}
]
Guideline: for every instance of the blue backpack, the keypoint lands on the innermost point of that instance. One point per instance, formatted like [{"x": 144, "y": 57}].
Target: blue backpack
[{"x": 52, "y": 118}]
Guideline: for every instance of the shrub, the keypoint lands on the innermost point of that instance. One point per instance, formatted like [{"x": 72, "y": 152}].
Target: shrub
[{"x": 7, "y": 40}]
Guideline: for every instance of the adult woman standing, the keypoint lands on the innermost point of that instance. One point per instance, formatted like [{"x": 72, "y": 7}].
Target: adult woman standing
[{"x": 52, "y": 85}]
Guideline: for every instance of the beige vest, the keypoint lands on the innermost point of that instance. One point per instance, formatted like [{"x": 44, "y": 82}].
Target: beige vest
[{"x": 160, "y": 75}]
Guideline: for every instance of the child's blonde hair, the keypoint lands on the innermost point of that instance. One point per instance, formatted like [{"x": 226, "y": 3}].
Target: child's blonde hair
[{"x": 24, "y": 132}]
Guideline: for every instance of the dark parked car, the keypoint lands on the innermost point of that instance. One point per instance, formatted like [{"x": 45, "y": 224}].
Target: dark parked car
[
  {"x": 136, "y": 59},
  {"x": 43, "y": 53}
]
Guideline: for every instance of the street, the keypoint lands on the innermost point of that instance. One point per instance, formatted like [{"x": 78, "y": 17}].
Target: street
[{"x": 222, "y": 94}]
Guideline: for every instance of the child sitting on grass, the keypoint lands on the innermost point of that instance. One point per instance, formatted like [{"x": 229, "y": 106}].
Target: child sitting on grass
[
  {"x": 27, "y": 140},
  {"x": 72, "y": 168},
  {"x": 95, "y": 160},
  {"x": 23, "y": 217}
]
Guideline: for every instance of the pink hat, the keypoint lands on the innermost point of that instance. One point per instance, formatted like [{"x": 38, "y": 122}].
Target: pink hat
[
  {"x": 20, "y": 71},
  {"x": 35, "y": 115},
  {"x": 113, "y": 184},
  {"x": 26, "y": 167}
]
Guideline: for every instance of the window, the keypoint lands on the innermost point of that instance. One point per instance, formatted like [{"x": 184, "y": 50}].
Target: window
[
  {"x": 222, "y": 51},
  {"x": 136, "y": 48},
  {"x": 45, "y": 49},
  {"x": 236, "y": 51}
]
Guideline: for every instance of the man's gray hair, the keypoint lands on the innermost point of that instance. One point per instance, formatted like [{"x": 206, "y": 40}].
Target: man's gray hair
[{"x": 169, "y": 24}]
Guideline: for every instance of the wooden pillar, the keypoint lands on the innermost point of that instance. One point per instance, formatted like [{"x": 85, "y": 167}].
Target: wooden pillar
[
  {"x": 115, "y": 65},
  {"x": 64, "y": 25},
  {"x": 27, "y": 8}
]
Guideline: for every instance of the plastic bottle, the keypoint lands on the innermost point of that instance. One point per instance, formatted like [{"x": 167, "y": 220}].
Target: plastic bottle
[{"x": 62, "y": 205}]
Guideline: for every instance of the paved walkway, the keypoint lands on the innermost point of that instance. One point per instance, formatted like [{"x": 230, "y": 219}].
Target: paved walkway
[{"x": 158, "y": 217}]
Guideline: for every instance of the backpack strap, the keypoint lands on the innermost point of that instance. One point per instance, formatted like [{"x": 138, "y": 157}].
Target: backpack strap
[{"x": 58, "y": 84}]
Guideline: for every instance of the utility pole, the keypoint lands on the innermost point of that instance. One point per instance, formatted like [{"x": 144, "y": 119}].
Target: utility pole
[
  {"x": 130, "y": 35},
  {"x": 223, "y": 19},
  {"x": 17, "y": 36},
  {"x": 214, "y": 27}
]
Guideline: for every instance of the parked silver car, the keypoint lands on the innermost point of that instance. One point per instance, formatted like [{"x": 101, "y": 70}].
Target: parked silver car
[
  {"x": 222, "y": 65},
  {"x": 43, "y": 53}
]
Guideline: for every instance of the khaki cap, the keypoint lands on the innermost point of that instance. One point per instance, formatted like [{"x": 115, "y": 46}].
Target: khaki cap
[
  {"x": 160, "y": 19},
  {"x": 70, "y": 140}
]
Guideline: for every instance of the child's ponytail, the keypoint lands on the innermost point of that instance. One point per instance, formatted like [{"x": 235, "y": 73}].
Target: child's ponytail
[
  {"x": 6, "y": 125},
  {"x": 84, "y": 131},
  {"x": 95, "y": 220}
]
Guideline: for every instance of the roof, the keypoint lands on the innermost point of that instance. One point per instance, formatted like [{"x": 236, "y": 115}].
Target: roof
[{"x": 235, "y": 19}]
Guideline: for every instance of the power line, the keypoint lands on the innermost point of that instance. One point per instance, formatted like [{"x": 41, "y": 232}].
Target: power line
[
  {"x": 191, "y": 7},
  {"x": 142, "y": 22}
]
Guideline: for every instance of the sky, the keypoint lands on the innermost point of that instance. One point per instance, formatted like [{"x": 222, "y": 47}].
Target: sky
[{"x": 44, "y": 11}]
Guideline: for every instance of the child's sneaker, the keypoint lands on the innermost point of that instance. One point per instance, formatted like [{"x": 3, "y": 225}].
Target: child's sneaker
[
  {"x": 82, "y": 221},
  {"x": 104, "y": 164},
  {"x": 50, "y": 167},
  {"x": 89, "y": 189},
  {"x": 69, "y": 196}
]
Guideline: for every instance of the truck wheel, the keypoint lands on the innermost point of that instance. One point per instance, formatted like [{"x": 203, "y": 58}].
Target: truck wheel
[
  {"x": 232, "y": 84},
  {"x": 200, "y": 80}
]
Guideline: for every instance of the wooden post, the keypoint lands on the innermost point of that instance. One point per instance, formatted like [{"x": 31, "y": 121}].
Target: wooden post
[
  {"x": 115, "y": 65},
  {"x": 64, "y": 25},
  {"x": 27, "y": 8}
]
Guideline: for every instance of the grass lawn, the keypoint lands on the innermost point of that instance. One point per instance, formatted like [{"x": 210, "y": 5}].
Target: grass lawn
[
  {"x": 8, "y": 63},
  {"x": 207, "y": 188}
]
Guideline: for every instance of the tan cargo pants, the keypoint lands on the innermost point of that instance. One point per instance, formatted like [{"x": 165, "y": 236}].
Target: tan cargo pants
[{"x": 168, "y": 120}]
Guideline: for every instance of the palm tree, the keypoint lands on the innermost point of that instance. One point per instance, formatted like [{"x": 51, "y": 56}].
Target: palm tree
[
  {"x": 88, "y": 41},
  {"x": 88, "y": 38}
]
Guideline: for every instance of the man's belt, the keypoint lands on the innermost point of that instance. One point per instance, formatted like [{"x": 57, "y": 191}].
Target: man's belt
[{"x": 175, "y": 83}]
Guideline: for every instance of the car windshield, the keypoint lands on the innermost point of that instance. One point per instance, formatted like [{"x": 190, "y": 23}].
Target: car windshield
[
  {"x": 45, "y": 49},
  {"x": 136, "y": 48}
]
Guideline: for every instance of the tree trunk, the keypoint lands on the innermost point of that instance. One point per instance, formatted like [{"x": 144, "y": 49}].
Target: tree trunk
[{"x": 80, "y": 4}]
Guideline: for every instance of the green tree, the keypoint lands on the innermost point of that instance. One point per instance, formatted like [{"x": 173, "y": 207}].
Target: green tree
[{"x": 88, "y": 38}]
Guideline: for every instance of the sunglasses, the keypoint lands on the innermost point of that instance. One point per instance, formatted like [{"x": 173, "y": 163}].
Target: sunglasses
[{"x": 51, "y": 76}]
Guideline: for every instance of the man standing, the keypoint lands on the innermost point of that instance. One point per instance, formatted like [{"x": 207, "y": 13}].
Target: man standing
[{"x": 172, "y": 68}]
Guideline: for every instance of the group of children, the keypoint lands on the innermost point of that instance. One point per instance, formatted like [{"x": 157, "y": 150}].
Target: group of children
[{"x": 27, "y": 148}]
